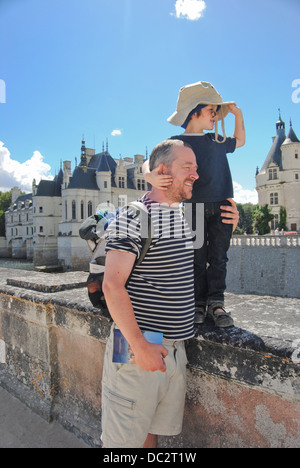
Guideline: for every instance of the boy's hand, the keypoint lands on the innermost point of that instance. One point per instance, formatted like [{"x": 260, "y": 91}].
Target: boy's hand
[
  {"x": 158, "y": 180},
  {"x": 234, "y": 109}
]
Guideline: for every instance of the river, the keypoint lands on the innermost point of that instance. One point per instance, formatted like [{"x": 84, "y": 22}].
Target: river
[{"x": 19, "y": 264}]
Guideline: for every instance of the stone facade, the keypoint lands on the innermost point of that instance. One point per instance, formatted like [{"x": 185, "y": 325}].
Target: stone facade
[
  {"x": 278, "y": 182},
  {"x": 19, "y": 226}
]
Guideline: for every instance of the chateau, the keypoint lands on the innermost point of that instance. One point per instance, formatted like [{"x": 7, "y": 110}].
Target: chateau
[
  {"x": 44, "y": 224},
  {"x": 278, "y": 181}
]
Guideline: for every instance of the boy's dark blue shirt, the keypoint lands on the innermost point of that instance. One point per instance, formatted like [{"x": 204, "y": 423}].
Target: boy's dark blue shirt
[{"x": 215, "y": 182}]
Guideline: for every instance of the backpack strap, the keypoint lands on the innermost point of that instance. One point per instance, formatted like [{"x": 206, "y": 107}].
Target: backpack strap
[
  {"x": 98, "y": 258},
  {"x": 142, "y": 212}
]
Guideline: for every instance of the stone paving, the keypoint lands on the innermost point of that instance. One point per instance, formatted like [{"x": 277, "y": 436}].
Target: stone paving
[{"x": 22, "y": 428}]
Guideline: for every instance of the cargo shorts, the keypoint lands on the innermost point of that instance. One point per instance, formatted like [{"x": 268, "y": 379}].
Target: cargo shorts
[{"x": 136, "y": 402}]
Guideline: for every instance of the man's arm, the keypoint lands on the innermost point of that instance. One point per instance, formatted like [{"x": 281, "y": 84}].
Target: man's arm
[
  {"x": 230, "y": 214},
  {"x": 118, "y": 266}
]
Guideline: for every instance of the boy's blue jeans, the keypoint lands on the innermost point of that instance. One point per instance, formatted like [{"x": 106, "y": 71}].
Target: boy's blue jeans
[{"x": 210, "y": 261}]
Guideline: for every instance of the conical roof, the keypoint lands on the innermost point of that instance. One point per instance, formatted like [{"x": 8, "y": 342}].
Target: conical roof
[
  {"x": 275, "y": 155},
  {"x": 291, "y": 137}
]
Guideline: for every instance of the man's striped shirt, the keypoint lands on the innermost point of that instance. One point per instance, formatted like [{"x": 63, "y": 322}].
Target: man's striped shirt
[{"x": 161, "y": 288}]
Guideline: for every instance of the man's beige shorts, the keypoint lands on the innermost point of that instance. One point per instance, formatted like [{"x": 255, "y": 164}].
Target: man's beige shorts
[{"x": 136, "y": 402}]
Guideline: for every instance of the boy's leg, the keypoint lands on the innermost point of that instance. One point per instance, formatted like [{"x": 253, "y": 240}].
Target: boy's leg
[
  {"x": 200, "y": 274},
  {"x": 219, "y": 235}
]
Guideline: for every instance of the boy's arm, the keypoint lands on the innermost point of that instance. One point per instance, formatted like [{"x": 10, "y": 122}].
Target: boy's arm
[
  {"x": 118, "y": 266},
  {"x": 239, "y": 131},
  {"x": 156, "y": 177}
]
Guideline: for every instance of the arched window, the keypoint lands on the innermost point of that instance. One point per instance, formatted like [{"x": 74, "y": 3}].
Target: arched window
[
  {"x": 82, "y": 210},
  {"x": 66, "y": 209},
  {"x": 73, "y": 209},
  {"x": 90, "y": 208}
]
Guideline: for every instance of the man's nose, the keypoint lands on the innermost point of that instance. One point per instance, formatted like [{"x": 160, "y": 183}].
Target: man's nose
[{"x": 195, "y": 175}]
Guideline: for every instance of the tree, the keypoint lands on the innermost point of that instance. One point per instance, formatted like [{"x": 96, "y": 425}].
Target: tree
[
  {"x": 246, "y": 218},
  {"x": 282, "y": 219},
  {"x": 262, "y": 216},
  {"x": 5, "y": 201}
]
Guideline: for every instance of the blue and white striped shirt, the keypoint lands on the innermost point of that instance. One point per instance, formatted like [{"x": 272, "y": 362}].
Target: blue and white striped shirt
[{"x": 161, "y": 288}]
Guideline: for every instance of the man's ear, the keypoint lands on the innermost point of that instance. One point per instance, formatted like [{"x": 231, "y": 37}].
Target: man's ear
[{"x": 162, "y": 169}]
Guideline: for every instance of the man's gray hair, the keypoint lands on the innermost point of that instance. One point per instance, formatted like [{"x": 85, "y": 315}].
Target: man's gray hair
[{"x": 163, "y": 153}]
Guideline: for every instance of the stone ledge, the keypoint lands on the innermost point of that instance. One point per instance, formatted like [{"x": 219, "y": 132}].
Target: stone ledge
[
  {"x": 47, "y": 282},
  {"x": 266, "y": 324},
  {"x": 44, "y": 287},
  {"x": 243, "y": 382}
]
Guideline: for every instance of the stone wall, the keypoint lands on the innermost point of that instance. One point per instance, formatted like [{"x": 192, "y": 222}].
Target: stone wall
[
  {"x": 264, "y": 265},
  {"x": 243, "y": 382}
]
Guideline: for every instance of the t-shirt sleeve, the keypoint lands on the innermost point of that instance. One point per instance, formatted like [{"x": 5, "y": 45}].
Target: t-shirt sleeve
[
  {"x": 124, "y": 233},
  {"x": 230, "y": 144}
]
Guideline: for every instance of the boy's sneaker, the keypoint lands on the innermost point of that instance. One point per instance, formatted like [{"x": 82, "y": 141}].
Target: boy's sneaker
[
  {"x": 218, "y": 314},
  {"x": 200, "y": 313}
]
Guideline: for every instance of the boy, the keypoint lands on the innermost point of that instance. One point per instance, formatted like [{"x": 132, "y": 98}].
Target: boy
[{"x": 199, "y": 107}]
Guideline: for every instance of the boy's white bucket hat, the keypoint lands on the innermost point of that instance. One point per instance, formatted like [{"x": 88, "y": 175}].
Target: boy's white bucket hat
[{"x": 191, "y": 95}]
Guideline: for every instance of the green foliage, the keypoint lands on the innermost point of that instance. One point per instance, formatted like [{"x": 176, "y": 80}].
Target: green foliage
[
  {"x": 282, "y": 219},
  {"x": 262, "y": 216},
  {"x": 5, "y": 201},
  {"x": 246, "y": 218}
]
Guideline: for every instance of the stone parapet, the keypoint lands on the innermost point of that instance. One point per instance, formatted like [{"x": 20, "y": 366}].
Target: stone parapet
[
  {"x": 264, "y": 265},
  {"x": 266, "y": 241},
  {"x": 243, "y": 382}
]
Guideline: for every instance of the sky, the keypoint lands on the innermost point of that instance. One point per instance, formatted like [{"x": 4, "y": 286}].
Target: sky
[{"x": 111, "y": 70}]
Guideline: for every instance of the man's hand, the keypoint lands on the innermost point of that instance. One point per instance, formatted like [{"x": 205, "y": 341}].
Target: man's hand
[
  {"x": 230, "y": 214},
  {"x": 149, "y": 356}
]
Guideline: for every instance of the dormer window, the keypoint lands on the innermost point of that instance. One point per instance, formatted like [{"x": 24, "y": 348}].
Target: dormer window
[
  {"x": 121, "y": 182},
  {"x": 273, "y": 174}
]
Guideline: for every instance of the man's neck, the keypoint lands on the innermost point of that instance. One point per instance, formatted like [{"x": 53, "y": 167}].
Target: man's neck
[{"x": 161, "y": 197}]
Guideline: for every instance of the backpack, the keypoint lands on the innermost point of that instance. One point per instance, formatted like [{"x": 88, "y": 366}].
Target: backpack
[{"x": 88, "y": 232}]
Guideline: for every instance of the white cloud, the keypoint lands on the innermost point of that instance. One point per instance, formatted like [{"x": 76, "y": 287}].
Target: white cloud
[
  {"x": 116, "y": 132},
  {"x": 244, "y": 195},
  {"x": 190, "y": 9},
  {"x": 14, "y": 173}
]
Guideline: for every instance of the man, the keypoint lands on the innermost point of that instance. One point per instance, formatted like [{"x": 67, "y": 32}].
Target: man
[{"x": 146, "y": 399}]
